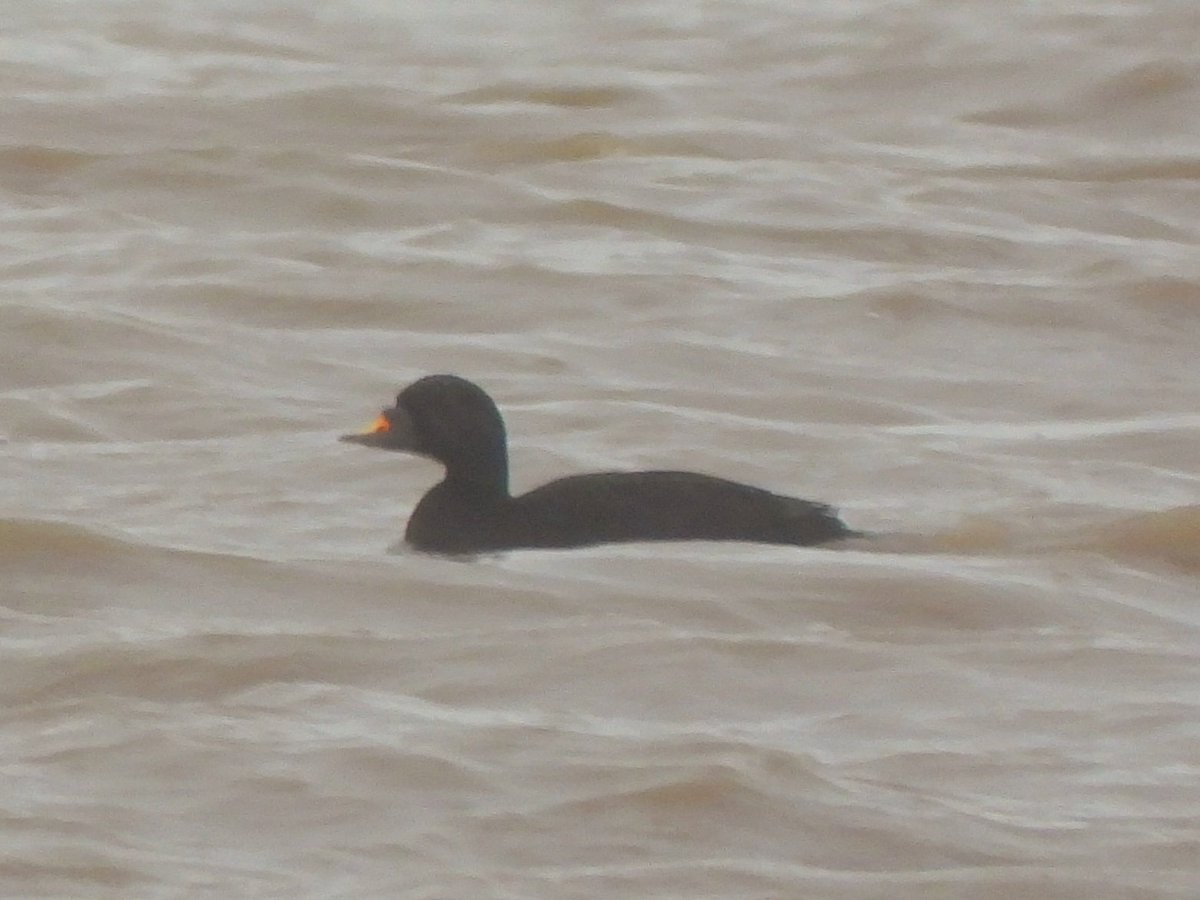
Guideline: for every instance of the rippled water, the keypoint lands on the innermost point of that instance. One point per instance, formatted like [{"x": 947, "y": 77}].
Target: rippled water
[{"x": 932, "y": 262}]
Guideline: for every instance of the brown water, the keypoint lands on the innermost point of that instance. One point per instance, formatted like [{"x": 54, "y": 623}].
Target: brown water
[{"x": 934, "y": 262}]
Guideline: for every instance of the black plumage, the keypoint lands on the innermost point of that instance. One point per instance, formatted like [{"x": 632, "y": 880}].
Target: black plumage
[{"x": 455, "y": 422}]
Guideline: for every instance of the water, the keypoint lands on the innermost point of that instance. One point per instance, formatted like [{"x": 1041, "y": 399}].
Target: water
[{"x": 931, "y": 262}]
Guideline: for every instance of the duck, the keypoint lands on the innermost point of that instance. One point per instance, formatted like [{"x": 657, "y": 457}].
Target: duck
[{"x": 456, "y": 423}]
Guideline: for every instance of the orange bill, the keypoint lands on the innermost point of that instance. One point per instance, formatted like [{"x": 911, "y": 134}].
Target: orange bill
[
  {"x": 381, "y": 424},
  {"x": 380, "y": 433}
]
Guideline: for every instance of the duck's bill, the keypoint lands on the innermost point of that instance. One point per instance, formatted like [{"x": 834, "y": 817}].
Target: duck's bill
[
  {"x": 366, "y": 438},
  {"x": 393, "y": 430},
  {"x": 377, "y": 435}
]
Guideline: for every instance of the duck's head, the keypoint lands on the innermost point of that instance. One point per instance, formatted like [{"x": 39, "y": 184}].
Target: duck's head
[{"x": 449, "y": 419}]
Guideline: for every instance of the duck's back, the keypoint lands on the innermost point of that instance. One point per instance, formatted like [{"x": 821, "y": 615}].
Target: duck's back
[{"x": 608, "y": 507}]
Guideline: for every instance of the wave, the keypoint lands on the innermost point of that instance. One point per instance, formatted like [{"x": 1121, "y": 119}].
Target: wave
[{"x": 1169, "y": 536}]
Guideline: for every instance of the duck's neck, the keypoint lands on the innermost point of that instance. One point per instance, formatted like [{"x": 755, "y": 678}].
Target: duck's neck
[{"x": 484, "y": 476}]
